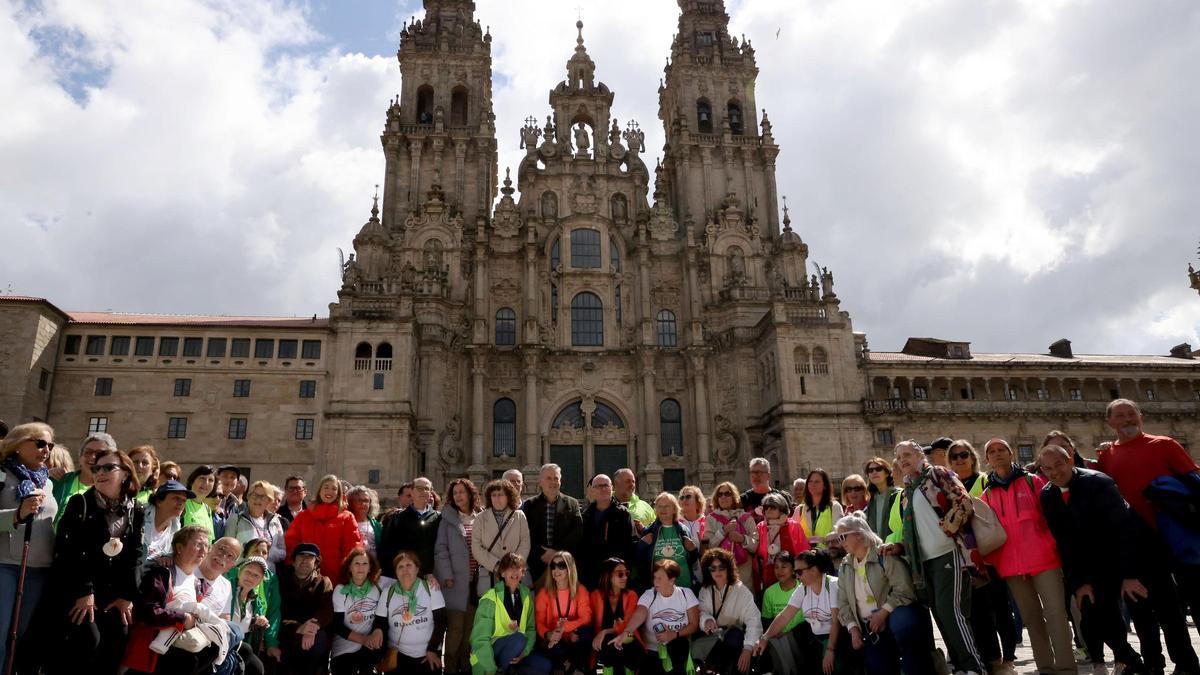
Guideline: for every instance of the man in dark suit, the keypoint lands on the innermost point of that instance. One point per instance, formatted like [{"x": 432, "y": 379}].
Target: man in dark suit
[
  {"x": 555, "y": 523},
  {"x": 608, "y": 532}
]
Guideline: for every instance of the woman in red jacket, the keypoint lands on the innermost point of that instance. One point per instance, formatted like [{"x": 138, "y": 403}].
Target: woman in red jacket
[
  {"x": 612, "y": 606},
  {"x": 776, "y": 533},
  {"x": 327, "y": 524},
  {"x": 564, "y": 619},
  {"x": 1028, "y": 561}
]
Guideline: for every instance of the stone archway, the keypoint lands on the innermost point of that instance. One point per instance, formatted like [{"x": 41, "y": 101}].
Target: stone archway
[{"x": 587, "y": 437}]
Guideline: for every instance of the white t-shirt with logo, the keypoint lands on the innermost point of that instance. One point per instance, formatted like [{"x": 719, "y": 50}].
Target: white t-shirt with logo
[
  {"x": 817, "y": 608},
  {"x": 220, "y": 595},
  {"x": 664, "y": 614},
  {"x": 410, "y": 628},
  {"x": 359, "y": 614}
]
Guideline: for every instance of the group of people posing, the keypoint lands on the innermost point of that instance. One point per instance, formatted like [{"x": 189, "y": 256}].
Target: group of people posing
[{"x": 120, "y": 566}]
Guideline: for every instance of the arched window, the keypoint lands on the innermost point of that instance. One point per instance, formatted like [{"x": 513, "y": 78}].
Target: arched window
[
  {"x": 620, "y": 208},
  {"x": 504, "y": 428},
  {"x": 383, "y": 356},
  {"x": 571, "y": 415},
  {"x": 670, "y": 428},
  {"x": 820, "y": 361},
  {"x": 425, "y": 105},
  {"x": 735, "y": 118},
  {"x": 587, "y": 320},
  {"x": 549, "y": 205},
  {"x": 668, "y": 335},
  {"x": 800, "y": 358},
  {"x": 362, "y": 356},
  {"x": 458, "y": 107},
  {"x": 605, "y": 416},
  {"x": 704, "y": 121},
  {"x": 506, "y": 327},
  {"x": 585, "y": 248}
]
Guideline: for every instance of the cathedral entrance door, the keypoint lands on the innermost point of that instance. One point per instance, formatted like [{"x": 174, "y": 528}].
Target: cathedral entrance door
[
  {"x": 610, "y": 458},
  {"x": 570, "y": 458}
]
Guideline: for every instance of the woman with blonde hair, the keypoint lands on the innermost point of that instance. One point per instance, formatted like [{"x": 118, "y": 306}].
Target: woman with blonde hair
[
  {"x": 667, "y": 539},
  {"x": 563, "y": 612},
  {"x": 26, "y": 501},
  {"x": 732, "y": 528},
  {"x": 854, "y": 493},
  {"x": 327, "y": 524},
  {"x": 692, "y": 508},
  {"x": 145, "y": 462}
]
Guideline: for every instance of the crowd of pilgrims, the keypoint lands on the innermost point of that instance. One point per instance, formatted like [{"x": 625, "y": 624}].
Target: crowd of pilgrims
[{"x": 126, "y": 564}]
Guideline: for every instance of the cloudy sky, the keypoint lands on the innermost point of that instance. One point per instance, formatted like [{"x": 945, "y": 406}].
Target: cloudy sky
[{"x": 1002, "y": 172}]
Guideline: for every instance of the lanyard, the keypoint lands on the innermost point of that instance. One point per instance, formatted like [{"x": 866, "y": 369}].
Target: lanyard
[
  {"x": 717, "y": 614},
  {"x": 558, "y": 606}
]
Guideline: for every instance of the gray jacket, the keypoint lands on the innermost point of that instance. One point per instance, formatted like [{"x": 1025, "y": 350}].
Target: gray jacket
[
  {"x": 890, "y": 583},
  {"x": 12, "y": 537},
  {"x": 452, "y": 559}
]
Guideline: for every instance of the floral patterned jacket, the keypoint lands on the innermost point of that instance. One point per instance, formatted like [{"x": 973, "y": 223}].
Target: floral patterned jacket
[{"x": 952, "y": 503}]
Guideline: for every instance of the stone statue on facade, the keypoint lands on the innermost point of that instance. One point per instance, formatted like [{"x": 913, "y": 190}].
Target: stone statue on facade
[
  {"x": 451, "y": 442},
  {"x": 582, "y": 142},
  {"x": 351, "y": 273}
]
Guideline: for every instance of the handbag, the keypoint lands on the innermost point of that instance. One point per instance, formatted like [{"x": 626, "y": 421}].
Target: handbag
[
  {"x": 138, "y": 655},
  {"x": 390, "y": 660},
  {"x": 989, "y": 533}
]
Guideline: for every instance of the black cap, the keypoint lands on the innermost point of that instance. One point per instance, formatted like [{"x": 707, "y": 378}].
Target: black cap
[
  {"x": 172, "y": 486},
  {"x": 229, "y": 467},
  {"x": 942, "y": 443},
  {"x": 306, "y": 549}
]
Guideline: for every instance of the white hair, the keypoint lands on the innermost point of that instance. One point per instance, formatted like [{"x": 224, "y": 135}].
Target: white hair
[
  {"x": 109, "y": 442},
  {"x": 551, "y": 467},
  {"x": 514, "y": 472},
  {"x": 799, "y": 482},
  {"x": 761, "y": 461},
  {"x": 857, "y": 523}
]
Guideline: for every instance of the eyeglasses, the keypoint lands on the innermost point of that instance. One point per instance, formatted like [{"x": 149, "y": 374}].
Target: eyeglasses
[
  {"x": 960, "y": 455},
  {"x": 717, "y": 568},
  {"x": 223, "y": 554},
  {"x": 558, "y": 565},
  {"x": 620, "y": 575},
  {"x": 43, "y": 444},
  {"x": 855, "y": 488},
  {"x": 876, "y": 469},
  {"x": 724, "y": 493},
  {"x": 686, "y": 497},
  {"x": 106, "y": 468},
  {"x": 801, "y": 569},
  {"x": 295, "y": 488}
]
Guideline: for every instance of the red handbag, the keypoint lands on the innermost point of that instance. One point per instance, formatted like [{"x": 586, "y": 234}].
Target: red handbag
[{"x": 138, "y": 655}]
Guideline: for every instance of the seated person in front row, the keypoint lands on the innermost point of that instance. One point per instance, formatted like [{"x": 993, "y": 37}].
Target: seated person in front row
[
  {"x": 504, "y": 633},
  {"x": 730, "y": 620},
  {"x": 783, "y": 649},
  {"x": 668, "y": 615},
  {"x": 564, "y": 618}
]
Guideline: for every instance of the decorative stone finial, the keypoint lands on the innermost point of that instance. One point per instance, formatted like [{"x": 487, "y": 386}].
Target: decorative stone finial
[
  {"x": 375, "y": 205},
  {"x": 507, "y": 190},
  {"x": 787, "y": 220}
]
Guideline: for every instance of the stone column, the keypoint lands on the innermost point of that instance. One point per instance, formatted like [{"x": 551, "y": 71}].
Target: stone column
[
  {"x": 533, "y": 449},
  {"x": 653, "y": 471},
  {"x": 700, "y": 389},
  {"x": 477, "y": 372},
  {"x": 414, "y": 177}
]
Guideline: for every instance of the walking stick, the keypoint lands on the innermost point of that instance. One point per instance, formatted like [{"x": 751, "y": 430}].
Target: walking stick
[{"x": 16, "y": 610}]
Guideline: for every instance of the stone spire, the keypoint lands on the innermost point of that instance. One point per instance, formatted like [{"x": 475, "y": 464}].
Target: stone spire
[{"x": 581, "y": 70}]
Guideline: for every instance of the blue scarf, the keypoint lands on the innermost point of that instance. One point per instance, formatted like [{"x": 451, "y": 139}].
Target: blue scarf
[{"x": 28, "y": 481}]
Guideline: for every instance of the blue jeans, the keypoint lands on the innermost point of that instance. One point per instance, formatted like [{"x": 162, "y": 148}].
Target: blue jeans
[
  {"x": 35, "y": 582},
  {"x": 909, "y": 635},
  {"x": 510, "y": 647},
  {"x": 236, "y": 635}
]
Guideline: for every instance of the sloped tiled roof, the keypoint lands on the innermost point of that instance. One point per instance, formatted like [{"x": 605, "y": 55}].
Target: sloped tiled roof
[
  {"x": 120, "y": 319},
  {"x": 1033, "y": 359}
]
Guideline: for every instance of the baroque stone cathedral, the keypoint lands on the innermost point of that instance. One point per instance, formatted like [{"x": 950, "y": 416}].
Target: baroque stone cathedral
[{"x": 608, "y": 317}]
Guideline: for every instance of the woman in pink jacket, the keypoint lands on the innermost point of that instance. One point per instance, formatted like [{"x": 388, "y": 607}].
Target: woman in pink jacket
[{"x": 1029, "y": 560}]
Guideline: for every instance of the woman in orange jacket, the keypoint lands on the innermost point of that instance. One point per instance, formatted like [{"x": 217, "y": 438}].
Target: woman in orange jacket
[
  {"x": 564, "y": 619},
  {"x": 612, "y": 606},
  {"x": 328, "y": 524}
]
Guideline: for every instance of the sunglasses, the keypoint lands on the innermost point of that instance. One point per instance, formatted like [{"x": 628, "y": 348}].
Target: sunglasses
[
  {"x": 717, "y": 568},
  {"x": 801, "y": 569},
  {"x": 855, "y": 488},
  {"x": 558, "y": 565},
  {"x": 106, "y": 468},
  {"x": 876, "y": 469},
  {"x": 620, "y": 575},
  {"x": 960, "y": 455},
  {"x": 687, "y": 497},
  {"x": 42, "y": 444},
  {"x": 725, "y": 494}
]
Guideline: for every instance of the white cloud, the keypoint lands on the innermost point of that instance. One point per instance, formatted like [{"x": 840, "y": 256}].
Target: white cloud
[{"x": 1008, "y": 173}]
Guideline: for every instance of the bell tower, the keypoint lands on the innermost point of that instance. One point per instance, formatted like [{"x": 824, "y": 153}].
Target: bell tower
[
  {"x": 715, "y": 153},
  {"x": 440, "y": 130}
]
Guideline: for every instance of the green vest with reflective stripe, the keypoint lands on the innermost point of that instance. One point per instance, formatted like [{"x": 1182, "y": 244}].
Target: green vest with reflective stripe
[{"x": 500, "y": 616}]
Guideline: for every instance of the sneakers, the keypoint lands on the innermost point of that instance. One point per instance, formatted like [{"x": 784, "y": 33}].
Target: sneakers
[
  {"x": 1006, "y": 668},
  {"x": 1099, "y": 669}
]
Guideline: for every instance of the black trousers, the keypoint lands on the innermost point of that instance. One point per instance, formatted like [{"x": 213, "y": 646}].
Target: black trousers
[
  {"x": 678, "y": 649},
  {"x": 622, "y": 661},
  {"x": 407, "y": 665},
  {"x": 724, "y": 655},
  {"x": 100, "y": 644},
  {"x": 180, "y": 662},
  {"x": 361, "y": 662},
  {"x": 1101, "y": 624},
  {"x": 297, "y": 661},
  {"x": 1161, "y": 611}
]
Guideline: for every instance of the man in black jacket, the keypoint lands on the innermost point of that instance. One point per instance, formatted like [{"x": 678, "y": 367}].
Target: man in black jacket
[
  {"x": 413, "y": 529},
  {"x": 555, "y": 523},
  {"x": 607, "y": 532},
  {"x": 1099, "y": 546}
]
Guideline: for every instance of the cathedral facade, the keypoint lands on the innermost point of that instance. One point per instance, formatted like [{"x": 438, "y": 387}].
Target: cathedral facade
[{"x": 583, "y": 309}]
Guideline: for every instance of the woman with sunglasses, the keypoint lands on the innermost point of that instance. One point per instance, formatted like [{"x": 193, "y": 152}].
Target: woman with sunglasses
[
  {"x": 691, "y": 516},
  {"x": 96, "y": 559},
  {"x": 854, "y": 493},
  {"x": 730, "y": 620},
  {"x": 77, "y": 482},
  {"x": 26, "y": 501},
  {"x": 256, "y": 521},
  {"x": 991, "y": 612},
  {"x": 883, "y": 507},
  {"x": 820, "y": 510},
  {"x": 613, "y": 604},
  {"x": 821, "y": 640},
  {"x": 877, "y": 602},
  {"x": 732, "y": 528},
  {"x": 668, "y": 615},
  {"x": 776, "y": 533},
  {"x": 564, "y": 618}
]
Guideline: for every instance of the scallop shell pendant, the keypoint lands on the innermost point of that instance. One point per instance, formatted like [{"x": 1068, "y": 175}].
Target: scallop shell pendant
[
  {"x": 668, "y": 550},
  {"x": 113, "y": 548}
]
